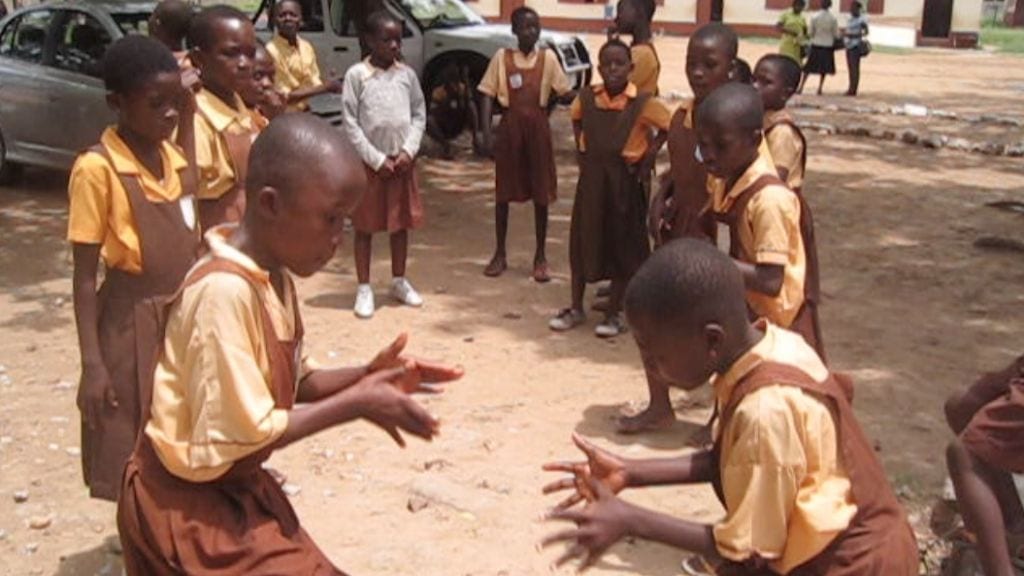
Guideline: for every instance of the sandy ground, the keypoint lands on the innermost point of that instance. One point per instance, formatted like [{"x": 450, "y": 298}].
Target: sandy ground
[{"x": 912, "y": 309}]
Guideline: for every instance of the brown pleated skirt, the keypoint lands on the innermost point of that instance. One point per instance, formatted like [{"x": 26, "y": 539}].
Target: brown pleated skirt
[{"x": 390, "y": 204}]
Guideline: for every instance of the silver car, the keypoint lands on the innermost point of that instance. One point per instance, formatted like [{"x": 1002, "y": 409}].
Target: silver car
[{"x": 52, "y": 101}]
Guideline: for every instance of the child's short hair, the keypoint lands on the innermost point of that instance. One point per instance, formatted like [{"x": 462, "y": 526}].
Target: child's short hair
[
  {"x": 646, "y": 8},
  {"x": 744, "y": 75},
  {"x": 734, "y": 105},
  {"x": 279, "y": 3},
  {"x": 202, "y": 33},
  {"x": 719, "y": 34},
  {"x": 788, "y": 68},
  {"x": 378, "y": 20},
  {"x": 615, "y": 43},
  {"x": 686, "y": 284},
  {"x": 522, "y": 12},
  {"x": 134, "y": 60},
  {"x": 290, "y": 147},
  {"x": 175, "y": 16}
]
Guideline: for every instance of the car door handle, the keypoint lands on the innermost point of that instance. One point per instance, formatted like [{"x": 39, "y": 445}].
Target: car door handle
[{"x": 341, "y": 48}]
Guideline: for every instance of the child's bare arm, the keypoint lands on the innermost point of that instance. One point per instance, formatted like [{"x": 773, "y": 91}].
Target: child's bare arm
[
  {"x": 763, "y": 278},
  {"x": 486, "y": 117},
  {"x": 302, "y": 94},
  {"x": 608, "y": 519},
  {"x": 94, "y": 390}
]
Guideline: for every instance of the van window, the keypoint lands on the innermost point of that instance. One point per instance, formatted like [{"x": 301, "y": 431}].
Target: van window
[
  {"x": 348, "y": 17},
  {"x": 25, "y": 38},
  {"x": 82, "y": 42}
]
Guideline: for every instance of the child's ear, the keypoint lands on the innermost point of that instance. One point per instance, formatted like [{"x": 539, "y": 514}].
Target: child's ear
[
  {"x": 268, "y": 199},
  {"x": 714, "y": 338}
]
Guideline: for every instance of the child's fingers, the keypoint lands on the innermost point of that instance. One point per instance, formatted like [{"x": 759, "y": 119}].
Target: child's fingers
[
  {"x": 570, "y": 501},
  {"x": 387, "y": 375},
  {"x": 395, "y": 435},
  {"x": 434, "y": 372},
  {"x": 574, "y": 551},
  {"x": 419, "y": 421},
  {"x": 559, "y": 485},
  {"x": 584, "y": 444}
]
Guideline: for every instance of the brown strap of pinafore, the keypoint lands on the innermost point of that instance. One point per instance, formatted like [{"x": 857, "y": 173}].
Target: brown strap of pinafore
[
  {"x": 594, "y": 123},
  {"x": 785, "y": 121},
  {"x": 528, "y": 94}
]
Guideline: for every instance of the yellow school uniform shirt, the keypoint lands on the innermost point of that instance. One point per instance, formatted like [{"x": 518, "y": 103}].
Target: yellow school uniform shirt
[
  {"x": 100, "y": 212},
  {"x": 769, "y": 233},
  {"x": 212, "y": 403},
  {"x": 495, "y": 80},
  {"x": 786, "y": 147},
  {"x": 295, "y": 67},
  {"x": 655, "y": 115},
  {"x": 214, "y": 119},
  {"x": 787, "y": 494},
  {"x": 646, "y": 68}
]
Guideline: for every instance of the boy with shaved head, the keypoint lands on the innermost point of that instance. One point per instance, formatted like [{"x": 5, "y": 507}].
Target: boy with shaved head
[
  {"x": 802, "y": 489},
  {"x": 231, "y": 385}
]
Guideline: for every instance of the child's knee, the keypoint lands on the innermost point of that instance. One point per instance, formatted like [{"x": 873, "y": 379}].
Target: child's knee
[{"x": 953, "y": 411}]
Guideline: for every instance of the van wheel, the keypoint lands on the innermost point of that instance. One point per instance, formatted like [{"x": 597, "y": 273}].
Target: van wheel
[{"x": 9, "y": 172}]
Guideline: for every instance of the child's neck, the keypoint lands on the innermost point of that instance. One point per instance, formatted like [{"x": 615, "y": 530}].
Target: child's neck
[
  {"x": 147, "y": 151},
  {"x": 251, "y": 245},
  {"x": 747, "y": 340},
  {"x": 613, "y": 92},
  {"x": 527, "y": 49},
  {"x": 226, "y": 95},
  {"x": 292, "y": 40},
  {"x": 379, "y": 63},
  {"x": 642, "y": 33}
]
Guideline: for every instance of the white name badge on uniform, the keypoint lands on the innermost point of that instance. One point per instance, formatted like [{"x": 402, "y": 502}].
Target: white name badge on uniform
[
  {"x": 515, "y": 81},
  {"x": 188, "y": 210},
  {"x": 723, "y": 237}
]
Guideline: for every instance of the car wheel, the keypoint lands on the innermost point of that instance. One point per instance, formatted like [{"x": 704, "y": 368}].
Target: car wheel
[{"x": 9, "y": 172}]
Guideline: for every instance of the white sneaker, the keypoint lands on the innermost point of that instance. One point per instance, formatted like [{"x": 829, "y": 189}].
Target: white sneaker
[
  {"x": 364, "y": 307},
  {"x": 403, "y": 291}
]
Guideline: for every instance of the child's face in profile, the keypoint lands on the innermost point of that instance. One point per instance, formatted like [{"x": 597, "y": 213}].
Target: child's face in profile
[
  {"x": 615, "y": 67},
  {"x": 770, "y": 84},
  {"x": 527, "y": 31},
  {"x": 726, "y": 151},
  {"x": 262, "y": 79},
  {"x": 386, "y": 44},
  {"x": 708, "y": 66},
  {"x": 227, "y": 64},
  {"x": 684, "y": 361},
  {"x": 151, "y": 110},
  {"x": 288, "y": 18}
]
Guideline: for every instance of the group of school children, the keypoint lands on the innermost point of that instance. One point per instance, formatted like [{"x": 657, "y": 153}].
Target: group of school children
[{"x": 208, "y": 195}]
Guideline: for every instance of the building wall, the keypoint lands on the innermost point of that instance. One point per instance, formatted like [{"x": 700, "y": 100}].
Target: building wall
[{"x": 967, "y": 15}]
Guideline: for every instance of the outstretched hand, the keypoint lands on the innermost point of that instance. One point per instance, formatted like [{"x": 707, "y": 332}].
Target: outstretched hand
[
  {"x": 417, "y": 375},
  {"x": 601, "y": 466},
  {"x": 385, "y": 404},
  {"x": 602, "y": 523}
]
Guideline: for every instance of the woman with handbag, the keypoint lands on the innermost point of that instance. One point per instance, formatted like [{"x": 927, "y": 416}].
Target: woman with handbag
[
  {"x": 824, "y": 36},
  {"x": 857, "y": 45}
]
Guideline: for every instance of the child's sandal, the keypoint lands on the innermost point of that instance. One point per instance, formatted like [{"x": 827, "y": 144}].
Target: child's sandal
[
  {"x": 696, "y": 566},
  {"x": 567, "y": 319}
]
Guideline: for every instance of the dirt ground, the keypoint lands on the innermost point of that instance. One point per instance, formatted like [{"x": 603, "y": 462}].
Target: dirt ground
[{"x": 912, "y": 309}]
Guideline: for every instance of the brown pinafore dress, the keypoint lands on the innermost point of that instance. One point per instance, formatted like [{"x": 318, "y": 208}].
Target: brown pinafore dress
[
  {"x": 129, "y": 334},
  {"x": 608, "y": 233},
  {"x": 230, "y": 206},
  {"x": 689, "y": 182},
  {"x": 786, "y": 121},
  {"x": 806, "y": 322},
  {"x": 524, "y": 157},
  {"x": 879, "y": 540},
  {"x": 238, "y": 524},
  {"x": 996, "y": 432}
]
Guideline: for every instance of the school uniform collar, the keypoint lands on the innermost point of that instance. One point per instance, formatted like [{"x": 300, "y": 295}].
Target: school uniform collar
[
  {"x": 282, "y": 43},
  {"x": 217, "y": 238},
  {"x": 772, "y": 117},
  {"x": 370, "y": 70},
  {"x": 761, "y": 166},
  {"x": 219, "y": 114},
  {"x": 125, "y": 162},
  {"x": 630, "y": 91},
  {"x": 725, "y": 383}
]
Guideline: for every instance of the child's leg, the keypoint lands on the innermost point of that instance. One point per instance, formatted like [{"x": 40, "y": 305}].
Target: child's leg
[
  {"x": 983, "y": 496},
  {"x": 658, "y": 413},
  {"x": 399, "y": 253},
  {"x": 803, "y": 80},
  {"x": 363, "y": 245},
  {"x": 498, "y": 262},
  {"x": 540, "y": 221},
  {"x": 821, "y": 84}
]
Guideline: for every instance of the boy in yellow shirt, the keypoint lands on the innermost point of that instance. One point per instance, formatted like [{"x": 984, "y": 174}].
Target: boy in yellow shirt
[
  {"x": 297, "y": 74},
  {"x": 131, "y": 205},
  {"x": 223, "y": 44},
  {"x": 231, "y": 385},
  {"x": 803, "y": 492}
]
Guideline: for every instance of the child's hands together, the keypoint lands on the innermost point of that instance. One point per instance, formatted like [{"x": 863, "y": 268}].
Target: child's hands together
[
  {"x": 417, "y": 375},
  {"x": 95, "y": 395},
  {"x": 403, "y": 163},
  {"x": 599, "y": 525},
  {"x": 387, "y": 169},
  {"x": 381, "y": 401},
  {"x": 601, "y": 466}
]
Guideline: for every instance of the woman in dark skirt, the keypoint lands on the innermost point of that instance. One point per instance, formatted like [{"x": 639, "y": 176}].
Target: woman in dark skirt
[{"x": 824, "y": 37}]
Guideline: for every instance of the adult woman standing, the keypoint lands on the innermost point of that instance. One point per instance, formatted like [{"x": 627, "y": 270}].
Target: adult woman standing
[
  {"x": 794, "y": 31},
  {"x": 857, "y": 46},
  {"x": 824, "y": 34}
]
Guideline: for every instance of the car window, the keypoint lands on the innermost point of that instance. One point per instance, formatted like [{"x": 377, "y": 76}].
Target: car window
[
  {"x": 81, "y": 43},
  {"x": 348, "y": 17},
  {"x": 25, "y": 37},
  {"x": 132, "y": 22},
  {"x": 440, "y": 13}
]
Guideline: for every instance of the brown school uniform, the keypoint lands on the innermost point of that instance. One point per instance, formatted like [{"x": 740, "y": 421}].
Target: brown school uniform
[
  {"x": 224, "y": 135},
  {"x": 148, "y": 246},
  {"x": 760, "y": 221},
  {"x": 689, "y": 178},
  {"x": 608, "y": 233},
  {"x": 804, "y": 493},
  {"x": 195, "y": 506},
  {"x": 996, "y": 432},
  {"x": 788, "y": 146},
  {"x": 523, "y": 155}
]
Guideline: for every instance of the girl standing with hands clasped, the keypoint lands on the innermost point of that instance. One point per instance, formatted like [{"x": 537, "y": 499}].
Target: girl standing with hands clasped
[{"x": 385, "y": 117}]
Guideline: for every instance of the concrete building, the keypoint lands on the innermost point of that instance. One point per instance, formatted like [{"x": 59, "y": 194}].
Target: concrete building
[{"x": 953, "y": 23}]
